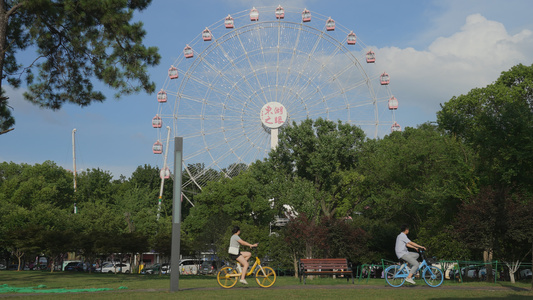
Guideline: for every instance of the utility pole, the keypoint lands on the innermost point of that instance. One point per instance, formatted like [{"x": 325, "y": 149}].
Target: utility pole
[
  {"x": 176, "y": 217},
  {"x": 74, "y": 163}
]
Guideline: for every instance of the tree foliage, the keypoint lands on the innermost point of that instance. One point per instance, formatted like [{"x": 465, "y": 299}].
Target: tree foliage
[
  {"x": 75, "y": 42},
  {"x": 320, "y": 153}
]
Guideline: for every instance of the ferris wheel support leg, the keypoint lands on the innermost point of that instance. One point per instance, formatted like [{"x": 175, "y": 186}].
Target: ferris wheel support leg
[
  {"x": 163, "y": 177},
  {"x": 273, "y": 138}
]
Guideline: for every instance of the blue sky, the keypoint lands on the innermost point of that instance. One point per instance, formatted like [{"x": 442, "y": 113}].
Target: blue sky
[{"x": 434, "y": 50}]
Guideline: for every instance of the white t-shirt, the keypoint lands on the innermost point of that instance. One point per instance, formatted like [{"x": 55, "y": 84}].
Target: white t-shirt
[
  {"x": 401, "y": 245},
  {"x": 234, "y": 244}
]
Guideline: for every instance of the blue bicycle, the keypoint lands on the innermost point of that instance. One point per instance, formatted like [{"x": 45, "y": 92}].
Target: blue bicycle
[{"x": 395, "y": 275}]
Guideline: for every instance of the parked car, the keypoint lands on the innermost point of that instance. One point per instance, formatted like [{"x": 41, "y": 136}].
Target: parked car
[
  {"x": 2, "y": 267},
  {"x": 190, "y": 266},
  {"x": 165, "y": 268},
  {"x": 115, "y": 267},
  {"x": 152, "y": 269},
  {"x": 74, "y": 266},
  {"x": 208, "y": 267},
  {"x": 525, "y": 274}
]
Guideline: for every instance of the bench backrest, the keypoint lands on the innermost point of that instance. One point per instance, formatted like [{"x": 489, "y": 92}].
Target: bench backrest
[{"x": 323, "y": 263}]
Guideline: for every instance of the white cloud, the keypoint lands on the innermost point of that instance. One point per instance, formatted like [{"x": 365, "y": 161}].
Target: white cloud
[{"x": 453, "y": 65}]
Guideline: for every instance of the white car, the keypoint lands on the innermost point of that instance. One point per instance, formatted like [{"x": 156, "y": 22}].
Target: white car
[
  {"x": 525, "y": 274},
  {"x": 116, "y": 267},
  {"x": 190, "y": 266}
]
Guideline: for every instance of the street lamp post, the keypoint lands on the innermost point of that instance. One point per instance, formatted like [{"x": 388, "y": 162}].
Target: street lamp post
[{"x": 176, "y": 216}]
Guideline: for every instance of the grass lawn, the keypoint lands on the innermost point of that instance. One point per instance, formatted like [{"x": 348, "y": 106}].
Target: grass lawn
[{"x": 127, "y": 286}]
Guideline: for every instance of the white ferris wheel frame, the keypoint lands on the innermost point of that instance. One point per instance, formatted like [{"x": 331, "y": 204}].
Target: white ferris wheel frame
[{"x": 221, "y": 74}]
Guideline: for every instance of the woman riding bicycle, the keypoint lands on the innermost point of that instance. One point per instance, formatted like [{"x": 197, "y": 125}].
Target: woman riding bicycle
[{"x": 236, "y": 254}]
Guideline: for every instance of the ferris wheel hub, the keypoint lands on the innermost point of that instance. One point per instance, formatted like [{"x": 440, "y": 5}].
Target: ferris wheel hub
[{"x": 273, "y": 115}]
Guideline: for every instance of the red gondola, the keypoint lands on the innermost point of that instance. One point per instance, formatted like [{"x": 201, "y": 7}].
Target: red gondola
[
  {"x": 207, "y": 35},
  {"x": 229, "y": 22},
  {"x": 351, "y": 39},
  {"x": 162, "y": 96},
  {"x": 393, "y": 103},
  {"x": 173, "y": 72},
  {"x": 384, "y": 79},
  {"x": 395, "y": 127},
  {"x": 187, "y": 51},
  {"x": 370, "y": 57},
  {"x": 254, "y": 14},
  {"x": 306, "y": 15},
  {"x": 280, "y": 12},
  {"x": 156, "y": 122},
  {"x": 157, "y": 148}
]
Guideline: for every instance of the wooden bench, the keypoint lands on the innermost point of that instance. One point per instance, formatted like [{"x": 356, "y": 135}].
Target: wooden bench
[{"x": 324, "y": 266}]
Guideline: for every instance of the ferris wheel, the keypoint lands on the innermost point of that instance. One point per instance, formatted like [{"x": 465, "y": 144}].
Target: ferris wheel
[{"x": 245, "y": 77}]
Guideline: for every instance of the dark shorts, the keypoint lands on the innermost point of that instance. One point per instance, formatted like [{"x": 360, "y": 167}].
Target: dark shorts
[{"x": 234, "y": 257}]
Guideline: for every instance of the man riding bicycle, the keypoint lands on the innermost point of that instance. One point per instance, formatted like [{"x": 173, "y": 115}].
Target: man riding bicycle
[{"x": 402, "y": 242}]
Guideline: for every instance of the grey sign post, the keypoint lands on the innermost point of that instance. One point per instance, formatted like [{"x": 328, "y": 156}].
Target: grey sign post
[{"x": 176, "y": 217}]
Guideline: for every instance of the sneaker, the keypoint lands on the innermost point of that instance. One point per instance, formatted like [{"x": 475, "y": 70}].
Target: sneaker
[
  {"x": 410, "y": 280},
  {"x": 243, "y": 281}
]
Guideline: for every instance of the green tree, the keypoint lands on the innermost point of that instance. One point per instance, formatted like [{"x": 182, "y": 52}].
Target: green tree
[
  {"x": 416, "y": 177},
  {"x": 322, "y": 153},
  {"x": 241, "y": 199},
  {"x": 27, "y": 185},
  {"x": 75, "y": 42},
  {"x": 497, "y": 122},
  {"x": 96, "y": 185}
]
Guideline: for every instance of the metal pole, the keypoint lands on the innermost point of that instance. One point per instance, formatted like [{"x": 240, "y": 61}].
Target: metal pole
[
  {"x": 163, "y": 175},
  {"x": 74, "y": 166},
  {"x": 74, "y": 156},
  {"x": 176, "y": 217}
]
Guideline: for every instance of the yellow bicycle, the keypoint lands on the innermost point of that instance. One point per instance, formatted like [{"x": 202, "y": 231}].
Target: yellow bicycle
[{"x": 228, "y": 276}]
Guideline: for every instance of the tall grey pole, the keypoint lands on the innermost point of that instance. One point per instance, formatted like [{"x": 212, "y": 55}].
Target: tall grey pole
[
  {"x": 176, "y": 217},
  {"x": 74, "y": 166},
  {"x": 74, "y": 157}
]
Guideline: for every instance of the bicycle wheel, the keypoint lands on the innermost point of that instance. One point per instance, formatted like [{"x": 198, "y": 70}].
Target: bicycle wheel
[
  {"x": 391, "y": 276},
  {"x": 433, "y": 276},
  {"x": 225, "y": 278},
  {"x": 266, "y": 277}
]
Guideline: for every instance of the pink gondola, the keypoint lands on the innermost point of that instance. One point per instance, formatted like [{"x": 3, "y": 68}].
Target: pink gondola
[
  {"x": 395, "y": 127},
  {"x": 161, "y": 96},
  {"x": 393, "y": 103},
  {"x": 330, "y": 24},
  {"x": 187, "y": 51},
  {"x": 156, "y": 122},
  {"x": 306, "y": 15},
  {"x": 254, "y": 14},
  {"x": 384, "y": 79},
  {"x": 164, "y": 173},
  {"x": 207, "y": 35},
  {"x": 351, "y": 39},
  {"x": 229, "y": 22},
  {"x": 173, "y": 72},
  {"x": 157, "y": 148},
  {"x": 370, "y": 57},
  {"x": 280, "y": 12}
]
